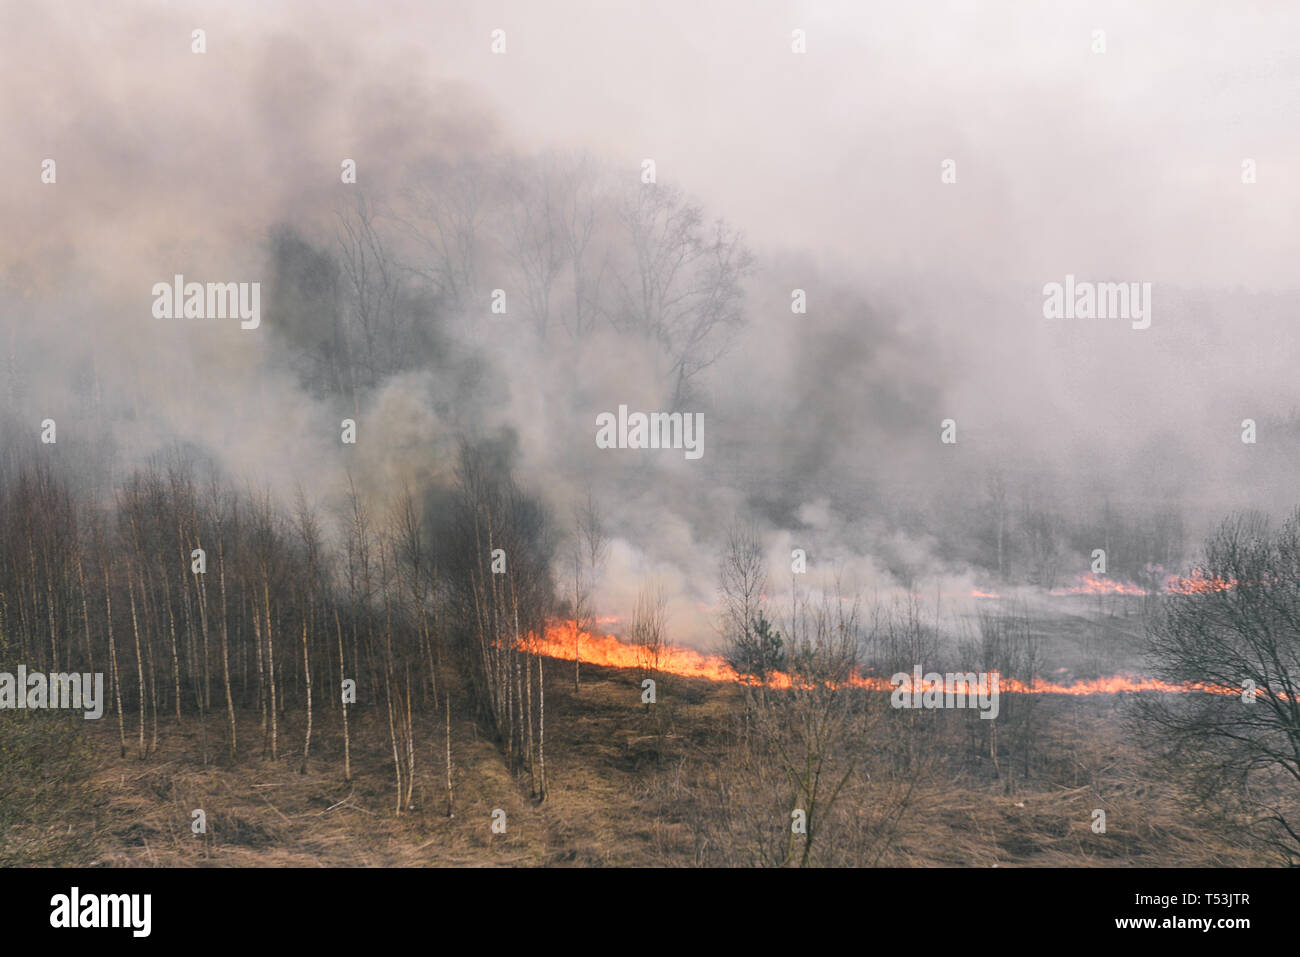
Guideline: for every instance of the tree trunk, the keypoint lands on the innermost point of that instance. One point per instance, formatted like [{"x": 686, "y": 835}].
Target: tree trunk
[
  {"x": 347, "y": 743},
  {"x": 306, "y": 667},
  {"x": 447, "y": 707},
  {"x": 139, "y": 660},
  {"x": 541, "y": 731},
  {"x": 225, "y": 645},
  {"x": 112, "y": 653},
  {"x": 270, "y": 666}
]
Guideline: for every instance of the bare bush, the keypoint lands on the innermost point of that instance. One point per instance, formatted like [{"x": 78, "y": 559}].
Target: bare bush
[{"x": 1236, "y": 628}]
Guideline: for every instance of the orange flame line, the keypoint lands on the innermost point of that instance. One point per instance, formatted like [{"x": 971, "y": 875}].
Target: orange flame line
[
  {"x": 1198, "y": 583},
  {"x": 565, "y": 641}
]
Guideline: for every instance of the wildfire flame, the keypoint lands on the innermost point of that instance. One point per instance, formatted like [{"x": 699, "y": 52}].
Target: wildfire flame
[
  {"x": 563, "y": 637},
  {"x": 1091, "y": 584},
  {"x": 1198, "y": 583},
  {"x": 565, "y": 640}
]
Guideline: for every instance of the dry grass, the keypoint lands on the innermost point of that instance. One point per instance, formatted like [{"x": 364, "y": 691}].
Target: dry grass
[{"x": 626, "y": 785}]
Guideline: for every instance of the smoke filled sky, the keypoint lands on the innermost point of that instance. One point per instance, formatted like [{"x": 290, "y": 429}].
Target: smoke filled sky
[{"x": 924, "y": 298}]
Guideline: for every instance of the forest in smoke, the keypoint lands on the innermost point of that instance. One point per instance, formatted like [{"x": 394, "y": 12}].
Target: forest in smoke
[
  {"x": 344, "y": 536},
  {"x": 822, "y": 427},
  {"x": 378, "y": 309}
]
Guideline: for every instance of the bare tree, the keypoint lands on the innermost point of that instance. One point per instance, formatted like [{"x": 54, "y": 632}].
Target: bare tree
[
  {"x": 742, "y": 582},
  {"x": 448, "y": 211},
  {"x": 809, "y": 723},
  {"x": 580, "y": 203},
  {"x": 811, "y": 777},
  {"x": 374, "y": 293},
  {"x": 588, "y": 550},
  {"x": 682, "y": 288},
  {"x": 997, "y": 492},
  {"x": 309, "y": 533},
  {"x": 649, "y": 625},
  {"x": 536, "y": 246},
  {"x": 1041, "y": 529},
  {"x": 1008, "y": 646},
  {"x": 500, "y": 550},
  {"x": 218, "y": 516},
  {"x": 1235, "y": 628}
]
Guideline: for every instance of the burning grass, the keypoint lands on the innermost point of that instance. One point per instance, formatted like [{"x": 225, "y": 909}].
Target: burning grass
[{"x": 564, "y": 640}]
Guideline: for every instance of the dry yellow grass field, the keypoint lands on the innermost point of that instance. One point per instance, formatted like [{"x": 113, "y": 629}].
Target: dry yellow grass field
[{"x": 629, "y": 786}]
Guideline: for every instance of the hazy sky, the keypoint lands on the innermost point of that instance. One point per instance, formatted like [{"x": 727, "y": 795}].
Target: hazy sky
[{"x": 1122, "y": 162}]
